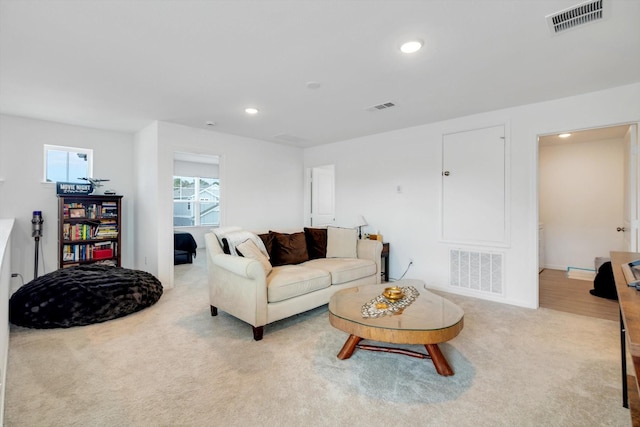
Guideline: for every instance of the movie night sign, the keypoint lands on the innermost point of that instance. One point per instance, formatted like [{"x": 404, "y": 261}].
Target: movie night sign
[{"x": 73, "y": 188}]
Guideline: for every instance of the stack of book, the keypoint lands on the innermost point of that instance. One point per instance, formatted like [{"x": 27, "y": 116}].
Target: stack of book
[
  {"x": 106, "y": 230},
  {"x": 109, "y": 210}
]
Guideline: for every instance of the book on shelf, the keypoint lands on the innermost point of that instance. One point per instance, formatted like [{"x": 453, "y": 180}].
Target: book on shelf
[
  {"x": 104, "y": 230},
  {"x": 631, "y": 272},
  {"x": 88, "y": 251},
  {"x": 89, "y": 230}
]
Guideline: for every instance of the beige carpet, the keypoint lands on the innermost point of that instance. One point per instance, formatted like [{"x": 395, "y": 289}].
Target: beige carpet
[{"x": 175, "y": 365}]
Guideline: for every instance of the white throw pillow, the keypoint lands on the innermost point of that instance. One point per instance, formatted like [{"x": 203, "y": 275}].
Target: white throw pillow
[
  {"x": 248, "y": 249},
  {"x": 236, "y": 237},
  {"x": 342, "y": 242}
]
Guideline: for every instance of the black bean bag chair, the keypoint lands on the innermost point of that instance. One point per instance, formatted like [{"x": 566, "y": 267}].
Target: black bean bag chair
[
  {"x": 82, "y": 295},
  {"x": 604, "y": 285}
]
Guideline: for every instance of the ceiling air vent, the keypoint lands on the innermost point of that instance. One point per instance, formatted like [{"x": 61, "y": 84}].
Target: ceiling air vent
[
  {"x": 580, "y": 14},
  {"x": 383, "y": 106},
  {"x": 290, "y": 139}
]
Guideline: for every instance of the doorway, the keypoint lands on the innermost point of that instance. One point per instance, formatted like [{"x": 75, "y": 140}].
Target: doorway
[
  {"x": 321, "y": 195},
  {"x": 196, "y": 209},
  {"x": 585, "y": 197}
]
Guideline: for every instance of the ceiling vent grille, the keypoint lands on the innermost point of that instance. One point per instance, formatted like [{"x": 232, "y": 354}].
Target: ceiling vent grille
[
  {"x": 382, "y": 106},
  {"x": 580, "y": 14},
  {"x": 290, "y": 139}
]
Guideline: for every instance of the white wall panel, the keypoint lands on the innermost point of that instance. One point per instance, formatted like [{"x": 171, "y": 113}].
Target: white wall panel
[{"x": 473, "y": 186}]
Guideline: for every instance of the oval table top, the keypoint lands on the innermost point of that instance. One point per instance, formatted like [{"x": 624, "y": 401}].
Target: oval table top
[{"x": 429, "y": 319}]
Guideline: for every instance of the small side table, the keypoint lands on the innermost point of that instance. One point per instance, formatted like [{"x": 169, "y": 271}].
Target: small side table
[{"x": 384, "y": 257}]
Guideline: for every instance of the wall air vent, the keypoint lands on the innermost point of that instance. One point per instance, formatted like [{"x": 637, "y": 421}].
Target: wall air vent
[
  {"x": 575, "y": 16},
  {"x": 476, "y": 271},
  {"x": 383, "y": 106}
]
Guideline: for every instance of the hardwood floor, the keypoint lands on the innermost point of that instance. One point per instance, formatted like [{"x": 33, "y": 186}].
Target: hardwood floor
[{"x": 557, "y": 292}]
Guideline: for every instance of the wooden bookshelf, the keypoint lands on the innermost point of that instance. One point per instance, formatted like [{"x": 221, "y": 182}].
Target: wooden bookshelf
[
  {"x": 89, "y": 230},
  {"x": 629, "y": 300}
]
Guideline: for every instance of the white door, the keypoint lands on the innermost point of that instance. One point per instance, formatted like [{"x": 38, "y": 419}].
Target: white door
[
  {"x": 322, "y": 196},
  {"x": 631, "y": 187},
  {"x": 473, "y": 186}
]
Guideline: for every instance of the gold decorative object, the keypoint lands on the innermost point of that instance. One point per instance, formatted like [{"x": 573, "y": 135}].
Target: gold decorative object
[
  {"x": 393, "y": 293},
  {"x": 382, "y": 305}
]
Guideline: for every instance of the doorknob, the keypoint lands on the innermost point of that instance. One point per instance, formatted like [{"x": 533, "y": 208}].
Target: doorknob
[
  {"x": 620, "y": 229},
  {"x": 446, "y": 173}
]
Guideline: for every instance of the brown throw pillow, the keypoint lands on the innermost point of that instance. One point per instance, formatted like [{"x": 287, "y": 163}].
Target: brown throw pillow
[
  {"x": 289, "y": 248},
  {"x": 267, "y": 239},
  {"x": 316, "y": 242}
]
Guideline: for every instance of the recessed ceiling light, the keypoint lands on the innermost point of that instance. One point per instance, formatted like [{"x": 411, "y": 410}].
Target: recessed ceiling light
[
  {"x": 251, "y": 110},
  {"x": 564, "y": 135},
  {"x": 411, "y": 46}
]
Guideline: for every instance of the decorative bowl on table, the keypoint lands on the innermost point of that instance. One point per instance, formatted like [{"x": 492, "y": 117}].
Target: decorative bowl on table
[{"x": 393, "y": 293}]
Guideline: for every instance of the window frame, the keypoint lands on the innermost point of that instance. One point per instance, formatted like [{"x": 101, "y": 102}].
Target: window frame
[
  {"x": 75, "y": 150},
  {"x": 197, "y": 211}
]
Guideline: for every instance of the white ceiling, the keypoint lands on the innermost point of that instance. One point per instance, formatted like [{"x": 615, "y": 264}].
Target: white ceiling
[{"x": 122, "y": 64}]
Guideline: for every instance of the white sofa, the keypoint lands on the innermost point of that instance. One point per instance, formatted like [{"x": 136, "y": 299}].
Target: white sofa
[{"x": 244, "y": 288}]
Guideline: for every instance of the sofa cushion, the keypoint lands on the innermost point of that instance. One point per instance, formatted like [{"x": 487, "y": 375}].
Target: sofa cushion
[
  {"x": 289, "y": 281},
  {"x": 249, "y": 249},
  {"x": 343, "y": 270},
  {"x": 342, "y": 242},
  {"x": 316, "y": 242},
  {"x": 289, "y": 248}
]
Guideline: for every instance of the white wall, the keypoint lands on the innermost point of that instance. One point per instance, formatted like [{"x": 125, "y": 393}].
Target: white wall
[
  {"x": 6, "y": 226},
  {"x": 261, "y": 186},
  {"x": 145, "y": 156},
  {"x": 23, "y": 189},
  {"x": 581, "y": 201},
  {"x": 262, "y": 183},
  {"x": 369, "y": 169}
]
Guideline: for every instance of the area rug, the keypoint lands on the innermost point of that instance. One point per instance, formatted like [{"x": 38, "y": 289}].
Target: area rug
[{"x": 175, "y": 365}]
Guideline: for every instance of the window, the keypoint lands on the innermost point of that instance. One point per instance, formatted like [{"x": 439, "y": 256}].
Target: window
[
  {"x": 196, "y": 201},
  {"x": 67, "y": 164}
]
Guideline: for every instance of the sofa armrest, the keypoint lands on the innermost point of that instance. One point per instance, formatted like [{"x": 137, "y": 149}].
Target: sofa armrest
[
  {"x": 246, "y": 268},
  {"x": 238, "y": 286},
  {"x": 369, "y": 249},
  {"x": 372, "y": 250}
]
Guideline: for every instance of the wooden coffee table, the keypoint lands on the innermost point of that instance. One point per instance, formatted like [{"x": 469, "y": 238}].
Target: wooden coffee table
[{"x": 429, "y": 320}]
